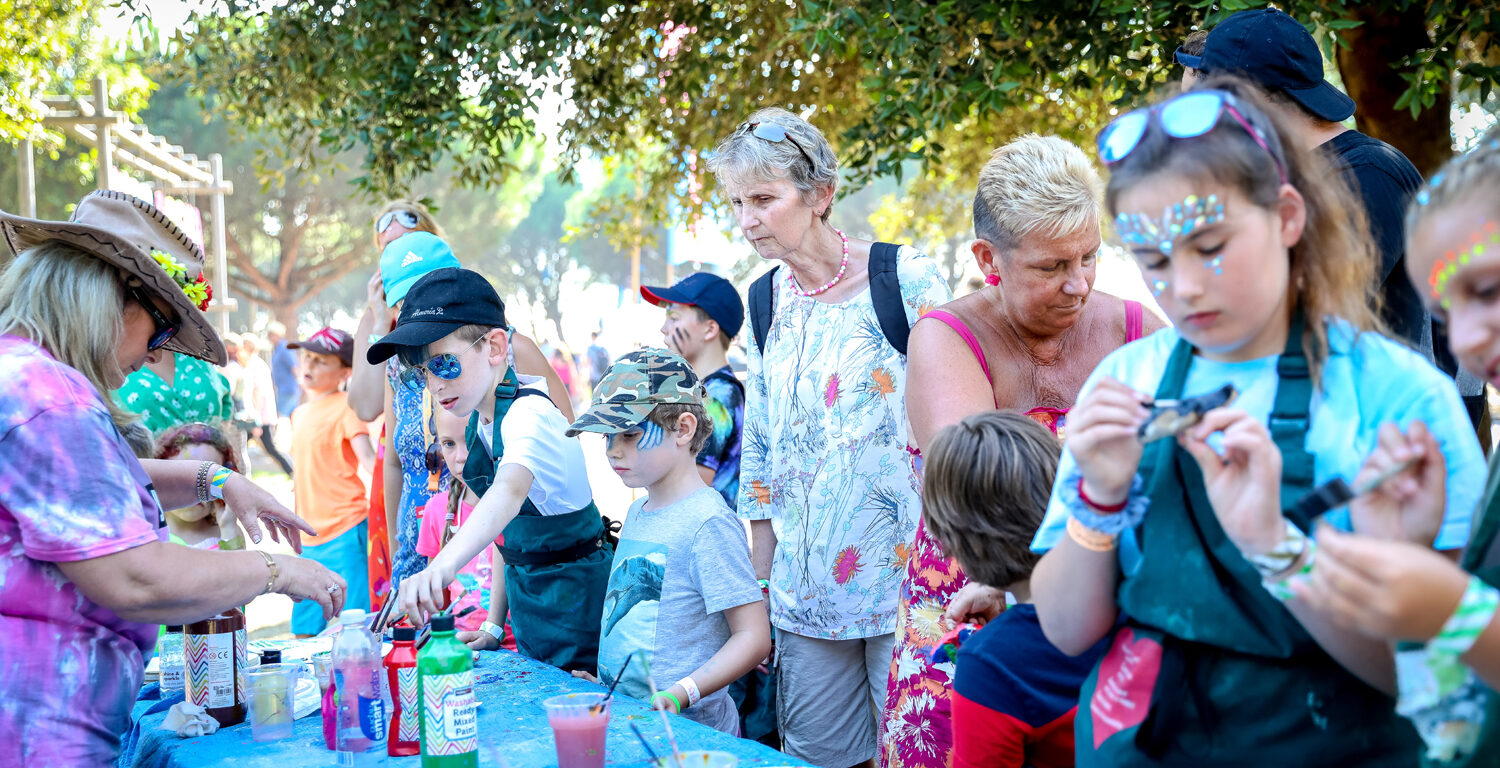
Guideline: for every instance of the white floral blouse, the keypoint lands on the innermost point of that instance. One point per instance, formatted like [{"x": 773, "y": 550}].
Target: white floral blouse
[{"x": 824, "y": 457}]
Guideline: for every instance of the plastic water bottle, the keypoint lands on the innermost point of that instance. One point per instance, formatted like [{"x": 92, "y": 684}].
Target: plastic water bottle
[
  {"x": 361, "y": 706},
  {"x": 169, "y": 655}
]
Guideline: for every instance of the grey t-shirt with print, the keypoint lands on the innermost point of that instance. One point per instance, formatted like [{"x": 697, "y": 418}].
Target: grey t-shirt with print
[{"x": 675, "y": 571}]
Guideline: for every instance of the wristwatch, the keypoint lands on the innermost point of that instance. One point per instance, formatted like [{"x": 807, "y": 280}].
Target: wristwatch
[{"x": 494, "y": 630}]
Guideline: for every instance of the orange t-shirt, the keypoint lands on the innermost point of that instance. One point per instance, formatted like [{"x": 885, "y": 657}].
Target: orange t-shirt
[{"x": 330, "y": 495}]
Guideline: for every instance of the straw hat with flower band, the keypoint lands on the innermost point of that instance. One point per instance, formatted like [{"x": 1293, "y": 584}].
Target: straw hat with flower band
[{"x": 146, "y": 246}]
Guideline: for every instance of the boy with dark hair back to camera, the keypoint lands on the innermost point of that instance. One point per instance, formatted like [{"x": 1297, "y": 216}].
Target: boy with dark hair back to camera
[{"x": 985, "y": 487}]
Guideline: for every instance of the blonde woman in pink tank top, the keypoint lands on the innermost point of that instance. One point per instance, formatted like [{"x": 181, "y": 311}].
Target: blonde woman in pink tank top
[{"x": 1024, "y": 343}]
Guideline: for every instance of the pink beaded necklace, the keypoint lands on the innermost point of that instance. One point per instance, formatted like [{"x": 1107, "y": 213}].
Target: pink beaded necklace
[{"x": 792, "y": 280}]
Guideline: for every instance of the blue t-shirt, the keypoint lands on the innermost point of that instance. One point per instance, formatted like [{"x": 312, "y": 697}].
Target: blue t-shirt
[
  {"x": 725, "y": 405},
  {"x": 284, "y": 379},
  {"x": 1365, "y": 384}
]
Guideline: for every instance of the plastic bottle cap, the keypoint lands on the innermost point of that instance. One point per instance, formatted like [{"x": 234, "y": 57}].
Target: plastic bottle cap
[
  {"x": 404, "y": 634},
  {"x": 442, "y": 622},
  {"x": 272, "y": 656},
  {"x": 352, "y": 616},
  {"x": 174, "y": 628}
]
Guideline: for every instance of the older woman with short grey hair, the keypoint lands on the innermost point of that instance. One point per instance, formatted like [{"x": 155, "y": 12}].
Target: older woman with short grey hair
[{"x": 823, "y": 477}]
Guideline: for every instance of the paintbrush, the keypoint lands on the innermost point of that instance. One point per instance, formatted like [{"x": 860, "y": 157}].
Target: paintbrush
[
  {"x": 594, "y": 710},
  {"x": 666, "y": 723},
  {"x": 1336, "y": 493},
  {"x": 427, "y": 630},
  {"x": 649, "y": 752},
  {"x": 378, "y": 626}
]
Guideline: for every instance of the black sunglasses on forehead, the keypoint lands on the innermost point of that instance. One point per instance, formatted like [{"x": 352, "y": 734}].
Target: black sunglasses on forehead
[{"x": 775, "y": 134}]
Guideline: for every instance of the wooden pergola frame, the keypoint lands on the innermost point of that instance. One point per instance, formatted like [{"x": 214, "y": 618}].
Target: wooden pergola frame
[{"x": 171, "y": 170}]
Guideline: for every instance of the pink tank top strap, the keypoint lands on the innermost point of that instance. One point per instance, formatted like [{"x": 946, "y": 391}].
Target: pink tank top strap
[
  {"x": 964, "y": 333},
  {"x": 1135, "y": 320}
]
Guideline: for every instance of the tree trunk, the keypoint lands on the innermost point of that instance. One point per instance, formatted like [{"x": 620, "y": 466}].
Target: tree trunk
[
  {"x": 286, "y": 313},
  {"x": 1385, "y": 37}
]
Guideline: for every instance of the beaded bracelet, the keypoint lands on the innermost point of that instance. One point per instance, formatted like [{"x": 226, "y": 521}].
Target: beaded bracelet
[
  {"x": 1112, "y": 524},
  {"x": 205, "y": 468}
]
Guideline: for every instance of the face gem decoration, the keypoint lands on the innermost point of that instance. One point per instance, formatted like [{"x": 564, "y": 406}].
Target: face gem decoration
[
  {"x": 1480, "y": 243},
  {"x": 1177, "y": 221}
]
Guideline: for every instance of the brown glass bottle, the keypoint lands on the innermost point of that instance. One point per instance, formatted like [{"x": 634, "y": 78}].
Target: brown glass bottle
[{"x": 215, "y": 653}]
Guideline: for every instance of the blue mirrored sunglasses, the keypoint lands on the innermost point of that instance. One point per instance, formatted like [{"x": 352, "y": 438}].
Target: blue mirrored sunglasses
[
  {"x": 775, "y": 134},
  {"x": 1181, "y": 117},
  {"x": 445, "y": 366},
  {"x": 407, "y": 219}
]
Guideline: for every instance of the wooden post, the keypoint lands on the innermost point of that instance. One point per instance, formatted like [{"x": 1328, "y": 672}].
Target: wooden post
[
  {"x": 25, "y": 179},
  {"x": 220, "y": 252},
  {"x": 102, "y": 139}
]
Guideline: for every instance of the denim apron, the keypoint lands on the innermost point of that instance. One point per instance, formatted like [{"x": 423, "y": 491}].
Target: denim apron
[{"x": 556, "y": 566}]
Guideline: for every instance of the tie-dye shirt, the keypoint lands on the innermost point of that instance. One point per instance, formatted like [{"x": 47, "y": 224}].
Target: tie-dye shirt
[
  {"x": 824, "y": 456},
  {"x": 70, "y": 490},
  {"x": 725, "y": 405}
]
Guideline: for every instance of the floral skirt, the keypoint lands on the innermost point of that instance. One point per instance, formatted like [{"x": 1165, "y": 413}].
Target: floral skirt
[{"x": 918, "y": 727}]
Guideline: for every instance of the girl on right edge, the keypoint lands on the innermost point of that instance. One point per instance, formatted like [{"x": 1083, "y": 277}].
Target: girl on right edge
[
  {"x": 1264, "y": 267},
  {"x": 1395, "y": 590}
]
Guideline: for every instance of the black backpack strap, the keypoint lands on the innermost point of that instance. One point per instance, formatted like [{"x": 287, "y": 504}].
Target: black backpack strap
[
  {"x": 762, "y": 292},
  {"x": 885, "y": 294}
]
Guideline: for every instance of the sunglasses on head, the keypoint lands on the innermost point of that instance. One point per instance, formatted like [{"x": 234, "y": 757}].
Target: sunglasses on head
[
  {"x": 445, "y": 366},
  {"x": 1181, "y": 117},
  {"x": 775, "y": 134},
  {"x": 165, "y": 329},
  {"x": 407, "y": 219}
]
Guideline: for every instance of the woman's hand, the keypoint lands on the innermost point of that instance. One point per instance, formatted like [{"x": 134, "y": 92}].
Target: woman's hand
[
  {"x": 1102, "y": 437},
  {"x": 1408, "y": 506},
  {"x": 303, "y": 579},
  {"x": 253, "y": 505},
  {"x": 1393, "y": 590},
  {"x": 423, "y": 594},
  {"x": 380, "y": 312},
  {"x": 976, "y": 603},
  {"x": 1244, "y": 482}
]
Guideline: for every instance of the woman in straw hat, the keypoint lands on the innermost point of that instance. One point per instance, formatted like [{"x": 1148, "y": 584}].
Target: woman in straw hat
[{"x": 88, "y": 570}]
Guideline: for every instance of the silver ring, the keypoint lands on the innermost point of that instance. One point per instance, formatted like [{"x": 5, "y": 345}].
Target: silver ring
[{"x": 332, "y": 588}]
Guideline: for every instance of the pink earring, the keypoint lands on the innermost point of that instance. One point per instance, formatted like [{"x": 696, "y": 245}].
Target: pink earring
[{"x": 991, "y": 279}]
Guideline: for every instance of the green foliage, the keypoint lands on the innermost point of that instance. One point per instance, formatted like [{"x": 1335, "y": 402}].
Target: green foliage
[{"x": 51, "y": 47}]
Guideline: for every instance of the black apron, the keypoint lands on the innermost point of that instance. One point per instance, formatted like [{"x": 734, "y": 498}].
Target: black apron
[
  {"x": 556, "y": 566},
  {"x": 1209, "y": 668}
]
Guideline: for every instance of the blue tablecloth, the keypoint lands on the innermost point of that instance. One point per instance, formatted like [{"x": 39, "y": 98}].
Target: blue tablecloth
[{"x": 513, "y": 730}]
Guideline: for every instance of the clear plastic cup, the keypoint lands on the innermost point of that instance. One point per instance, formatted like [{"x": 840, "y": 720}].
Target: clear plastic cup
[
  {"x": 579, "y": 723},
  {"x": 322, "y": 663},
  {"x": 698, "y": 759},
  {"x": 271, "y": 691}
]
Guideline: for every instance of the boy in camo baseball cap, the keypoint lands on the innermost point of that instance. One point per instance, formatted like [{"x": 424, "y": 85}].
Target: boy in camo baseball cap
[{"x": 682, "y": 552}]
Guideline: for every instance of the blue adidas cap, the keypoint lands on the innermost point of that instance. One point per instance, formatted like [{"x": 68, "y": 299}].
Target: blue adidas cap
[{"x": 407, "y": 258}]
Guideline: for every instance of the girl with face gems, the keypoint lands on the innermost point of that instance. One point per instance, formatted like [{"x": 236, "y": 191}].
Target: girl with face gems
[
  {"x": 1443, "y": 614},
  {"x": 1184, "y": 546}
]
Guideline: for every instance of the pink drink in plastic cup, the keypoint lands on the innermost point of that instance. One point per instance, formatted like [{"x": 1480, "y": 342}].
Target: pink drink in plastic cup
[{"x": 578, "y": 731}]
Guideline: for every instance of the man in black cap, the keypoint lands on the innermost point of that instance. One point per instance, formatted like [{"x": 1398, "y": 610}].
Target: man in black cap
[{"x": 1276, "y": 52}]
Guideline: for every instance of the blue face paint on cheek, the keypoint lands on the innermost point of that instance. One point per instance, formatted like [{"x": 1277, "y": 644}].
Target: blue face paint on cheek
[{"x": 651, "y": 436}]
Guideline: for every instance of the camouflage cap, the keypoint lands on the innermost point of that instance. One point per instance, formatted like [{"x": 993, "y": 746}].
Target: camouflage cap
[{"x": 634, "y": 386}]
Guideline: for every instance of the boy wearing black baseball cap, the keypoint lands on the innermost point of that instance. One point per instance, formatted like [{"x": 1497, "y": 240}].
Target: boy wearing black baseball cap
[
  {"x": 1277, "y": 53},
  {"x": 531, "y": 479},
  {"x": 704, "y": 313}
]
